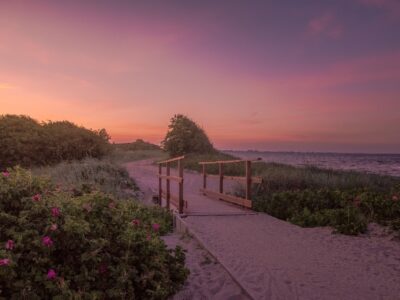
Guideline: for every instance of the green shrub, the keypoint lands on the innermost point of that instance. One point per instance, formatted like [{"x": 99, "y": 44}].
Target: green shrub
[
  {"x": 26, "y": 142},
  {"x": 139, "y": 144},
  {"x": 58, "y": 246},
  {"x": 185, "y": 136}
]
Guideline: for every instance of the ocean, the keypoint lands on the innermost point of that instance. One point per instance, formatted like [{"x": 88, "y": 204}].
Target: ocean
[{"x": 386, "y": 164}]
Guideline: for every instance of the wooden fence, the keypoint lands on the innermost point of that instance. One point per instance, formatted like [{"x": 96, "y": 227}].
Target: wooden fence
[
  {"x": 175, "y": 200},
  {"x": 248, "y": 179}
]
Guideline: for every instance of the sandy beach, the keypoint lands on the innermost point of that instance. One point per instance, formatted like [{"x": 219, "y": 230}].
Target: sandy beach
[{"x": 273, "y": 259}]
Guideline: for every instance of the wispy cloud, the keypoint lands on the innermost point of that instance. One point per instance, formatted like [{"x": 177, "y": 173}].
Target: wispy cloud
[
  {"x": 391, "y": 6},
  {"x": 6, "y": 86},
  {"x": 325, "y": 24}
]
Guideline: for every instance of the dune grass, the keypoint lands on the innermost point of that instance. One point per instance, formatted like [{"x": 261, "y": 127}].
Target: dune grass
[
  {"x": 91, "y": 174},
  {"x": 311, "y": 196},
  {"x": 123, "y": 156}
]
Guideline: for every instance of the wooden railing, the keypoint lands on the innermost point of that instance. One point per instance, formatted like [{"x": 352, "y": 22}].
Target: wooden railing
[
  {"x": 248, "y": 179},
  {"x": 175, "y": 200}
]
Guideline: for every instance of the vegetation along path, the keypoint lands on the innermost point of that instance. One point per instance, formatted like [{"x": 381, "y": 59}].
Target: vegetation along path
[{"x": 273, "y": 259}]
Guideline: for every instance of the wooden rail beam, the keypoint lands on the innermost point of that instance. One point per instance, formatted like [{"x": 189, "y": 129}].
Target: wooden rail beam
[
  {"x": 171, "y": 160},
  {"x": 228, "y": 161},
  {"x": 228, "y": 198},
  {"x": 180, "y": 173},
  {"x": 168, "y": 185}
]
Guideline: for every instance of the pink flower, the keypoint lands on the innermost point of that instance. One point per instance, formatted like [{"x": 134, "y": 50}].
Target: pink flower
[
  {"x": 357, "y": 201},
  {"x": 10, "y": 245},
  {"x": 55, "y": 211},
  {"x": 4, "y": 262},
  {"x": 36, "y": 197},
  {"x": 47, "y": 241},
  {"x": 148, "y": 237},
  {"x": 87, "y": 207},
  {"x": 53, "y": 227},
  {"x": 111, "y": 205},
  {"x": 136, "y": 222},
  {"x": 51, "y": 274},
  {"x": 156, "y": 226},
  {"x": 6, "y": 174},
  {"x": 395, "y": 198},
  {"x": 103, "y": 268}
]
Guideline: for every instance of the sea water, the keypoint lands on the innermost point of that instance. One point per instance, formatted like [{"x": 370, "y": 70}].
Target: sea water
[{"x": 387, "y": 164}]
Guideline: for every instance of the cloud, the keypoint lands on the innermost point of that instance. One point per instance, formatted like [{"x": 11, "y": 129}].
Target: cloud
[
  {"x": 6, "y": 86},
  {"x": 325, "y": 25},
  {"x": 392, "y": 7}
]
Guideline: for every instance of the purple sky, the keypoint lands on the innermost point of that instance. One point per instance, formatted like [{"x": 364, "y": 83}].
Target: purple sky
[{"x": 266, "y": 75}]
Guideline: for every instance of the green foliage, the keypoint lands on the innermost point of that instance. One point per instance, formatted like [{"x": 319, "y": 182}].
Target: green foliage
[
  {"x": 185, "y": 136},
  {"x": 347, "y": 211},
  {"x": 81, "y": 247},
  {"x": 139, "y": 144},
  {"x": 25, "y": 142},
  {"x": 91, "y": 174},
  {"x": 123, "y": 156},
  {"x": 280, "y": 177}
]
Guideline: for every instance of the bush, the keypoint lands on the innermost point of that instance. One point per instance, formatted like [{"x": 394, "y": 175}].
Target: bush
[
  {"x": 347, "y": 211},
  {"x": 91, "y": 174},
  {"x": 25, "y": 142},
  {"x": 185, "y": 136},
  {"x": 139, "y": 144},
  {"x": 58, "y": 246}
]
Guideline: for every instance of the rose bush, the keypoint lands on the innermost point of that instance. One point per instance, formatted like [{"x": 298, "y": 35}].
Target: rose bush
[{"x": 54, "y": 245}]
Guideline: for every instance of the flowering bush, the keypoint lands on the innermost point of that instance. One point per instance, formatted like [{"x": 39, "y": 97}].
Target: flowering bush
[{"x": 54, "y": 244}]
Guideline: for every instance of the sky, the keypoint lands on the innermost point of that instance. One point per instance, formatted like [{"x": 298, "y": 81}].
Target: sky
[{"x": 311, "y": 75}]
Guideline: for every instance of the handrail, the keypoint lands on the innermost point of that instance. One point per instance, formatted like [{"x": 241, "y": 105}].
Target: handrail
[
  {"x": 180, "y": 202},
  {"x": 171, "y": 160},
  {"x": 228, "y": 161},
  {"x": 248, "y": 179}
]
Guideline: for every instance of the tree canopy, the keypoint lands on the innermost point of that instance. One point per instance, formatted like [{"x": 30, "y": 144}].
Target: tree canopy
[{"x": 185, "y": 136}]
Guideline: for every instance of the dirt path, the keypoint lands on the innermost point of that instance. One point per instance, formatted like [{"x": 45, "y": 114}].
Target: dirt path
[{"x": 273, "y": 259}]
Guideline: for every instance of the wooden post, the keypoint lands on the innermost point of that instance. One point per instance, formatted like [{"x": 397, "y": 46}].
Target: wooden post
[
  {"x": 204, "y": 177},
  {"x": 168, "y": 185},
  {"x": 160, "y": 184},
  {"x": 180, "y": 170},
  {"x": 248, "y": 179},
  {"x": 221, "y": 179}
]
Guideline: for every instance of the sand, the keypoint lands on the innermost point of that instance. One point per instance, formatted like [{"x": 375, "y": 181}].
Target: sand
[
  {"x": 273, "y": 259},
  {"x": 207, "y": 279}
]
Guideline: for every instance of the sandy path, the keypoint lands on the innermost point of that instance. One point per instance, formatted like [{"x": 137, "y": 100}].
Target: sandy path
[
  {"x": 207, "y": 279},
  {"x": 273, "y": 259}
]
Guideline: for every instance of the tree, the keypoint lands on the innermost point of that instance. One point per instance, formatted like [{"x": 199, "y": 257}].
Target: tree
[{"x": 185, "y": 136}]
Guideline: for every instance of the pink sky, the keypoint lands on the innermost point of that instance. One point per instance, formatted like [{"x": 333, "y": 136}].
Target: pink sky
[{"x": 254, "y": 75}]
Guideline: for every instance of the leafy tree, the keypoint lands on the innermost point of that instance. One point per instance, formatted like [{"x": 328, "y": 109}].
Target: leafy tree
[{"x": 185, "y": 136}]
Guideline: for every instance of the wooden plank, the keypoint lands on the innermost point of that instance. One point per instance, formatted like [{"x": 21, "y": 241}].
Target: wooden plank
[
  {"x": 221, "y": 179},
  {"x": 159, "y": 183},
  {"x": 168, "y": 185},
  {"x": 228, "y": 161},
  {"x": 248, "y": 179},
  {"x": 204, "y": 177},
  {"x": 180, "y": 173},
  {"x": 175, "y": 178},
  {"x": 171, "y": 160},
  {"x": 228, "y": 198},
  {"x": 254, "y": 179}
]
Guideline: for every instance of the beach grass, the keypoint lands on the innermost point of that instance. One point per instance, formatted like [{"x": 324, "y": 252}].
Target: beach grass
[{"x": 310, "y": 196}]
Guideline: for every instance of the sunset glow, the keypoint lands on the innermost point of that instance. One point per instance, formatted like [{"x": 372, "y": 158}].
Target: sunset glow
[{"x": 267, "y": 75}]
